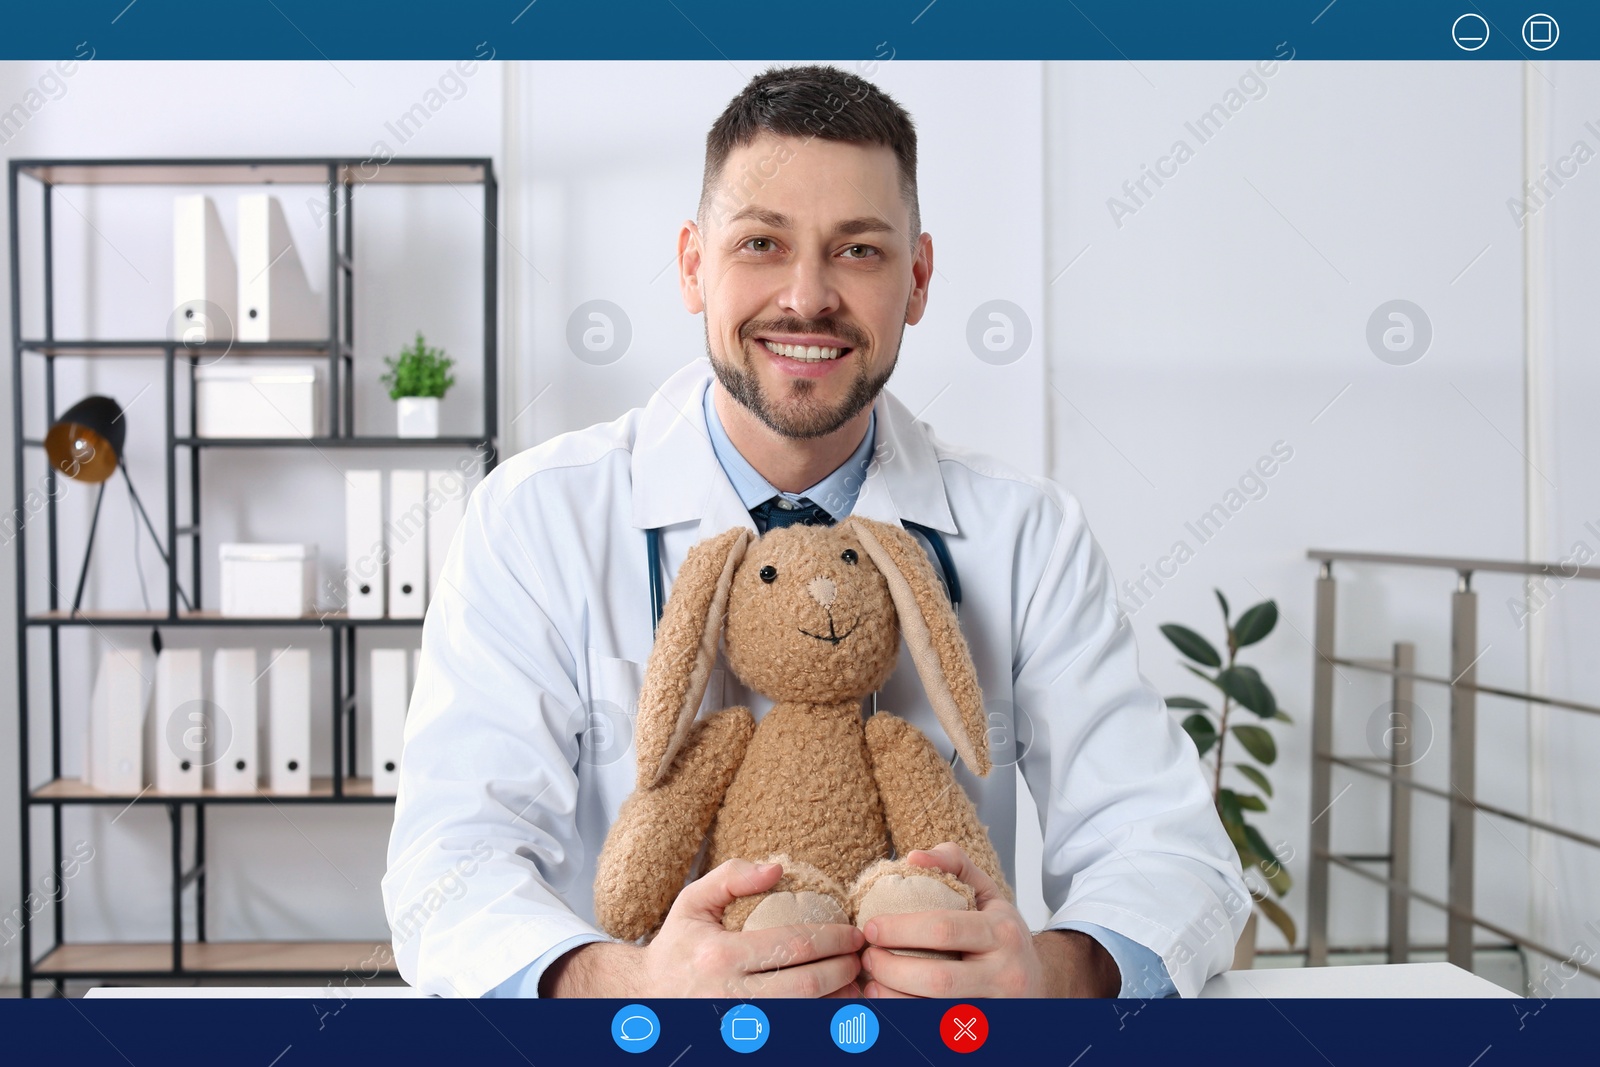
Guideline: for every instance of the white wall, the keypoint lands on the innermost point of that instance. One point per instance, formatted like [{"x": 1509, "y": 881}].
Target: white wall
[{"x": 1225, "y": 314}]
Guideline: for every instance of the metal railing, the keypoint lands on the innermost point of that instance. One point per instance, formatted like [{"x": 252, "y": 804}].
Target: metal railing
[{"x": 1395, "y": 768}]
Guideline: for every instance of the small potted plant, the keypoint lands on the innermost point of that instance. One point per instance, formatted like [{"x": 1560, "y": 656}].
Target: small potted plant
[
  {"x": 417, "y": 379},
  {"x": 1239, "y": 687}
]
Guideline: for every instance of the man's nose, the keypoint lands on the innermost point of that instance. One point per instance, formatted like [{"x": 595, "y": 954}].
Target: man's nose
[
  {"x": 810, "y": 292},
  {"x": 823, "y": 591}
]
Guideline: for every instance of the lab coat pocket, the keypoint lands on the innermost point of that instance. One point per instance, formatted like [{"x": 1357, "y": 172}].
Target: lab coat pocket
[{"x": 613, "y": 706}]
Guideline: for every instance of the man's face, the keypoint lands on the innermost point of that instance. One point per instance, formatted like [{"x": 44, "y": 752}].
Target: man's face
[{"x": 807, "y": 278}]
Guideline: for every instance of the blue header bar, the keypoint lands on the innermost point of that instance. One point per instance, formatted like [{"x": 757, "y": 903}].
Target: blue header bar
[{"x": 833, "y": 30}]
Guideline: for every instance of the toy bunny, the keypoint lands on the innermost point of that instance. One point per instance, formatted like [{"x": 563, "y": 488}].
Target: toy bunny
[{"x": 811, "y": 617}]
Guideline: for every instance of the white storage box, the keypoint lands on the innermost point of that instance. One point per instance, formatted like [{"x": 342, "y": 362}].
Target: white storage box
[
  {"x": 238, "y": 398},
  {"x": 268, "y": 581}
]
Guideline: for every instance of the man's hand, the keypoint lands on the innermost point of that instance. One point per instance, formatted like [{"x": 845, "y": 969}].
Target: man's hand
[
  {"x": 693, "y": 956},
  {"x": 999, "y": 956}
]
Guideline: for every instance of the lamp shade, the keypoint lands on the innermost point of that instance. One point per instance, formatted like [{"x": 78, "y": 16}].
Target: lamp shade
[{"x": 85, "y": 443}]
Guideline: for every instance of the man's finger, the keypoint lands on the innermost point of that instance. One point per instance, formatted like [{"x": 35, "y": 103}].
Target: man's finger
[
  {"x": 952, "y": 859},
  {"x": 939, "y": 931},
  {"x": 707, "y": 896},
  {"x": 918, "y": 976},
  {"x": 876, "y": 990},
  {"x": 816, "y": 979},
  {"x": 790, "y": 946}
]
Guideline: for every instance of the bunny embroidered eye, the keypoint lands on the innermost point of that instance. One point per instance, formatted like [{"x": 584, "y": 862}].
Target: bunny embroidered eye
[
  {"x": 849, "y": 556},
  {"x": 768, "y": 573}
]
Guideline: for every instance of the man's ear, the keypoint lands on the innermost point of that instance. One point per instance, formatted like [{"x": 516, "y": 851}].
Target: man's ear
[
  {"x": 689, "y": 266},
  {"x": 921, "y": 276}
]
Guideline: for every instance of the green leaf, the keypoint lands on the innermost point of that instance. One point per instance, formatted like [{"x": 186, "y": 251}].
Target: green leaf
[
  {"x": 1278, "y": 917},
  {"x": 1191, "y": 644},
  {"x": 1244, "y": 684},
  {"x": 1258, "y": 845},
  {"x": 1283, "y": 715},
  {"x": 1276, "y": 874},
  {"x": 1187, "y": 703},
  {"x": 1201, "y": 732},
  {"x": 1241, "y": 844},
  {"x": 1228, "y": 808},
  {"x": 1258, "y": 742},
  {"x": 1256, "y": 623},
  {"x": 1255, "y": 776},
  {"x": 1251, "y": 802},
  {"x": 1224, "y": 602},
  {"x": 1198, "y": 673},
  {"x": 420, "y": 370}
]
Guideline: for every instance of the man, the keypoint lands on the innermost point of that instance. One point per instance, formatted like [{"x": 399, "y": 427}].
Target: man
[{"x": 807, "y": 260}]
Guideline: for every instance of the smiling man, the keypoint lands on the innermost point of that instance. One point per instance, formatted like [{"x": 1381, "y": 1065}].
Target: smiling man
[{"x": 807, "y": 261}]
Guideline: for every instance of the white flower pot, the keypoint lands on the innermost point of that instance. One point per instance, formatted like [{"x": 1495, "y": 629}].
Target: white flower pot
[{"x": 418, "y": 416}]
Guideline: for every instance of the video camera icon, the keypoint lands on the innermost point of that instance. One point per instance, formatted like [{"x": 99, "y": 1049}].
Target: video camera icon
[{"x": 745, "y": 1028}]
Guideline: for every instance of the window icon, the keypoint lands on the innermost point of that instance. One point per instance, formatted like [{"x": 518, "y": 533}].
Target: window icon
[
  {"x": 1470, "y": 32},
  {"x": 1540, "y": 32}
]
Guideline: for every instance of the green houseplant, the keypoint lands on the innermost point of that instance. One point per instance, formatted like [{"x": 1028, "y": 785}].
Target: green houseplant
[
  {"x": 417, "y": 379},
  {"x": 1239, "y": 687}
]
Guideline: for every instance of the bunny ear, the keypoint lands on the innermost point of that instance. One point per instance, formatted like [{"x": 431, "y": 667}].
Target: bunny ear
[
  {"x": 933, "y": 637},
  {"x": 685, "y": 650}
]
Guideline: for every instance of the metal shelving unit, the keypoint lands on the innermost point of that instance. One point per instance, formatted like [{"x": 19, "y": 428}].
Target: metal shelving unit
[{"x": 200, "y": 958}]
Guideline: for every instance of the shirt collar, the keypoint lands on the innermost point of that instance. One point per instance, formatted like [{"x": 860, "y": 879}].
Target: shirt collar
[
  {"x": 836, "y": 494},
  {"x": 673, "y": 467}
]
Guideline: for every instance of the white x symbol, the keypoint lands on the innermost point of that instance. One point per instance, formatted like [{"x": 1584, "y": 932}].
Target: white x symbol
[{"x": 964, "y": 1029}]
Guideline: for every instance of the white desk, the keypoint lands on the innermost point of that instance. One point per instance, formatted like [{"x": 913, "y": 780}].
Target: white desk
[{"x": 1396, "y": 981}]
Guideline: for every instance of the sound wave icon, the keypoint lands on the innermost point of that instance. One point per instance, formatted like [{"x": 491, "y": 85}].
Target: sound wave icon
[{"x": 853, "y": 1031}]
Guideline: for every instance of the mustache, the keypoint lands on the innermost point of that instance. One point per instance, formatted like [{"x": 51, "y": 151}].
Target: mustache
[{"x": 850, "y": 334}]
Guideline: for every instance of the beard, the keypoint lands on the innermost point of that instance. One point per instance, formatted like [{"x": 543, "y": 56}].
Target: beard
[{"x": 799, "y": 414}]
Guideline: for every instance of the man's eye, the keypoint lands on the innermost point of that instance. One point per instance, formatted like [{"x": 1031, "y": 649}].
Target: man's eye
[
  {"x": 860, "y": 252},
  {"x": 759, "y": 244}
]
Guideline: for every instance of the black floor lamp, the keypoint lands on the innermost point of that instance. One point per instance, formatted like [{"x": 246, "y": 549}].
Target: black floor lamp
[{"x": 85, "y": 444}]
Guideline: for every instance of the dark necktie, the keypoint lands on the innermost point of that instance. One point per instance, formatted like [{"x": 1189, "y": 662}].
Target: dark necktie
[{"x": 777, "y": 513}]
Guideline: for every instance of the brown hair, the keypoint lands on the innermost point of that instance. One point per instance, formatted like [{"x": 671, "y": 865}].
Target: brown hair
[{"x": 807, "y": 102}]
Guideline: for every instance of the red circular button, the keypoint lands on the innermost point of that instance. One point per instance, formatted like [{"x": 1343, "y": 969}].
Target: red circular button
[{"x": 964, "y": 1028}]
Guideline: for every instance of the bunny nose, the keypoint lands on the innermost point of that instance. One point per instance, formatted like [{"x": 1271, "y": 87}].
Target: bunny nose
[{"x": 822, "y": 590}]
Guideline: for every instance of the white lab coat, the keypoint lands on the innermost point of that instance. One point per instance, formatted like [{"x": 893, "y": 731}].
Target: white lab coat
[{"x": 518, "y": 745}]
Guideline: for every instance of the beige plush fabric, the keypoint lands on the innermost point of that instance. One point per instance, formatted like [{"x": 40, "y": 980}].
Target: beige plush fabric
[{"x": 812, "y": 786}]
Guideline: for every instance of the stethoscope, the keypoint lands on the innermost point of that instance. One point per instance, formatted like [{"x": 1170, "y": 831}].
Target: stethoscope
[{"x": 941, "y": 552}]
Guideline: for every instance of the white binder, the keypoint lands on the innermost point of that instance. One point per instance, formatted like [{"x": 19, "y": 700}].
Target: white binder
[
  {"x": 180, "y": 727},
  {"x": 408, "y": 544},
  {"x": 205, "y": 291},
  {"x": 447, "y": 490},
  {"x": 363, "y": 541},
  {"x": 289, "y": 721},
  {"x": 232, "y": 740},
  {"x": 115, "y": 752},
  {"x": 390, "y": 695},
  {"x": 275, "y": 299}
]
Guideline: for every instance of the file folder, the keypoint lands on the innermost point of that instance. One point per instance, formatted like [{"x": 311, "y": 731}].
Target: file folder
[
  {"x": 117, "y": 705},
  {"x": 276, "y": 302},
  {"x": 178, "y": 744},
  {"x": 363, "y": 539},
  {"x": 289, "y": 721},
  {"x": 408, "y": 544},
  {"x": 205, "y": 291},
  {"x": 447, "y": 499},
  {"x": 231, "y": 744},
  {"x": 390, "y": 696}
]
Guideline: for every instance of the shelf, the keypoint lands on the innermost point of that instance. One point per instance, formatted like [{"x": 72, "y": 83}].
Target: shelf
[
  {"x": 333, "y": 442},
  {"x": 77, "y": 791},
  {"x": 351, "y": 170},
  {"x": 203, "y": 618},
  {"x": 147, "y": 349},
  {"x": 245, "y": 958}
]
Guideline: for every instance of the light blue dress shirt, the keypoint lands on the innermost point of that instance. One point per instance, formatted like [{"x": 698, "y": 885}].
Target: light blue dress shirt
[{"x": 1143, "y": 972}]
